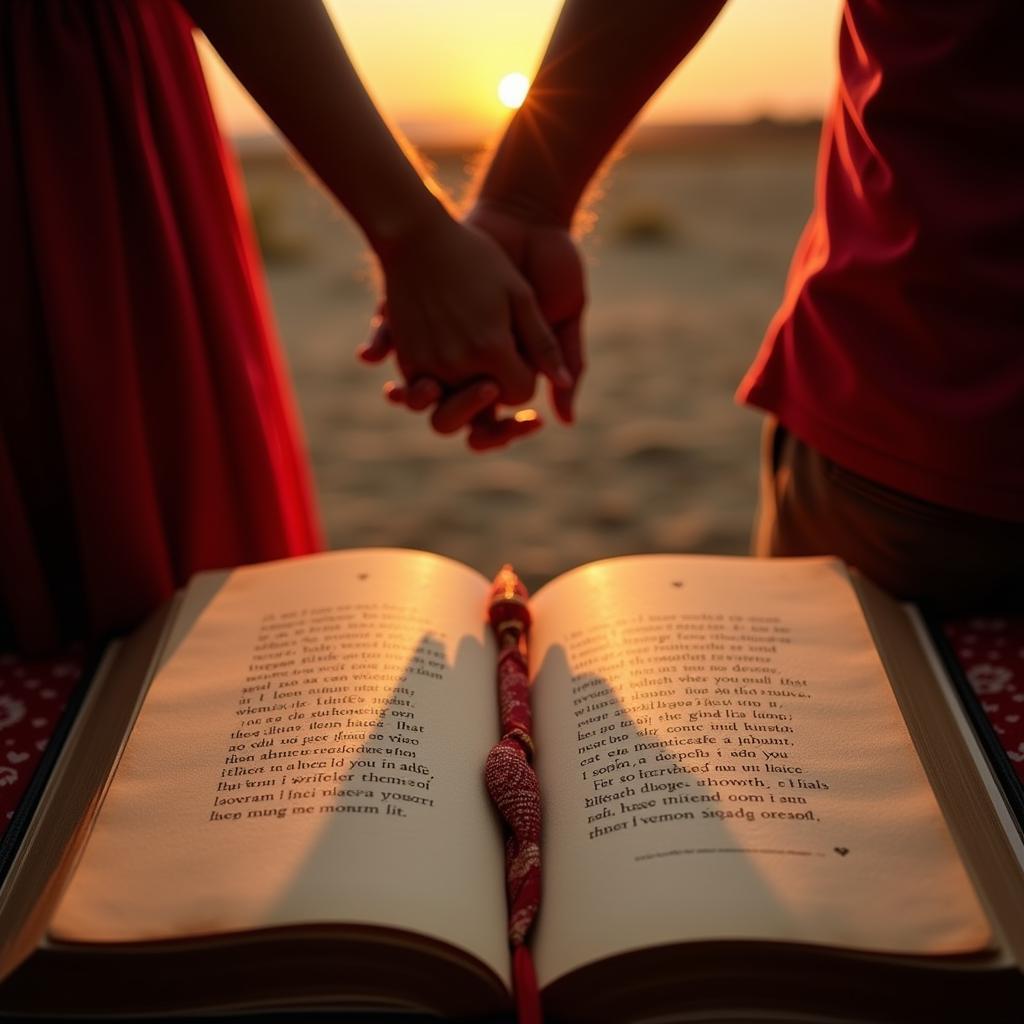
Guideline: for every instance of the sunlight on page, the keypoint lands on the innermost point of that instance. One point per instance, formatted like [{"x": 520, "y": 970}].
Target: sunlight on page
[
  {"x": 311, "y": 752},
  {"x": 737, "y": 767}
]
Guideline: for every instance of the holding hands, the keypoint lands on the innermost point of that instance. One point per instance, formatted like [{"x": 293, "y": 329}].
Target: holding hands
[
  {"x": 473, "y": 312},
  {"x": 466, "y": 328},
  {"x": 602, "y": 64}
]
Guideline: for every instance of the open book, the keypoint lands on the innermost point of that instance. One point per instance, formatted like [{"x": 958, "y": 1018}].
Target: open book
[{"x": 741, "y": 816}]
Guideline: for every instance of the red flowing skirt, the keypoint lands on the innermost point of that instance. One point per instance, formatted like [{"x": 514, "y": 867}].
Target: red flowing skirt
[{"x": 148, "y": 431}]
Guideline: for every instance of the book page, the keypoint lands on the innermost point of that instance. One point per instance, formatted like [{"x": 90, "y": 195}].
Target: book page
[
  {"x": 722, "y": 757},
  {"x": 311, "y": 752}
]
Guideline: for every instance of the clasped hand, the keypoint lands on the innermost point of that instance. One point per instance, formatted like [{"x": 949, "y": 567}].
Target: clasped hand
[{"x": 472, "y": 313}]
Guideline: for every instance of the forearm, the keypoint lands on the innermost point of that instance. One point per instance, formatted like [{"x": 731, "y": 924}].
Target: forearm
[
  {"x": 605, "y": 60},
  {"x": 290, "y": 59}
]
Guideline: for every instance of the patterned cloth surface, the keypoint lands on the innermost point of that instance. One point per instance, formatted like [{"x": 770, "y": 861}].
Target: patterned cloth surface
[
  {"x": 33, "y": 695},
  {"x": 991, "y": 653}
]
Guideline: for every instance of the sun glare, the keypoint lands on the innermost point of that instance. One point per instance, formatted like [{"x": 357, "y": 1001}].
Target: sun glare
[{"x": 512, "y": 90}]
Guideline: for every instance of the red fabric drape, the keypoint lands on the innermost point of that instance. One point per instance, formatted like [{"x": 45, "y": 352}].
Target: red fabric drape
[{"x": 147, "y": 427}]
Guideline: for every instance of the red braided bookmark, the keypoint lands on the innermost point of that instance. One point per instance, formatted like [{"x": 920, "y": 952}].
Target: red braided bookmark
[{"x": 512, "y": 783}]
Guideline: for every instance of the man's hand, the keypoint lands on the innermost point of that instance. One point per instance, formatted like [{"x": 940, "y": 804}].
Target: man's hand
[{"x": 548, "y": 258}]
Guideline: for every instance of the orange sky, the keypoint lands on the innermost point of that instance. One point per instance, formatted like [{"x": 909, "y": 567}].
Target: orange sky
[{"x": 433, "y": 65}]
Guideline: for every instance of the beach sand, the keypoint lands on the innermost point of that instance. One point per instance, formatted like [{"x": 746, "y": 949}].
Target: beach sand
[{"x": 686, "y": 264}]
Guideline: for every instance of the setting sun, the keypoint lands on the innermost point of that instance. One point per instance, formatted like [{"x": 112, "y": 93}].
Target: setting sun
[
  {"x": 438, "y": 77},
  {"x": 512, "y": 89}
]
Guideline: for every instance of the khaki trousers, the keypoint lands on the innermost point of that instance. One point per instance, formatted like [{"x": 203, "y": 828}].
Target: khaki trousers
[{"x": 948, "y": 561}]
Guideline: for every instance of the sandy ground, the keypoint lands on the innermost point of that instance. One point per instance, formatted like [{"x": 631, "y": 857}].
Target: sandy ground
[{"x": 686, "y": 267}]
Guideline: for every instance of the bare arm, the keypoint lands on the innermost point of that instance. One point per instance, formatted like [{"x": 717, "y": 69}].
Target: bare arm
[
  {"x": 605, "y": 60},
  {"x": 454, "y": 304},
  {"x": 289, "y": 57}
]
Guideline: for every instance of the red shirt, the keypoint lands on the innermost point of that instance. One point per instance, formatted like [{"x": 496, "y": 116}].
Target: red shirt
[{"x": 898, "y": 350}]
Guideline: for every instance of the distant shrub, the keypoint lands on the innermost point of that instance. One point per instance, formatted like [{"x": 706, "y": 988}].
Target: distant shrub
[{"x": 644, "y": 224}]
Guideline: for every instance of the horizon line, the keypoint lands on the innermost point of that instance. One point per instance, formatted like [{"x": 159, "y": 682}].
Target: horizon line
[{"x": 445, "y": 135}]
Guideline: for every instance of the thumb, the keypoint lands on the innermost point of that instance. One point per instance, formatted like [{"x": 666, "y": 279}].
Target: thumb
[{"x": 380, "y": 344}]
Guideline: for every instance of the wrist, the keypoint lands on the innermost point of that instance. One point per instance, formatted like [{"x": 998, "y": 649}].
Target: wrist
[
  {"x": 399, "y": 227},
  {"x": 522, "y": 207},
  {"x": 524, "y": 182}
]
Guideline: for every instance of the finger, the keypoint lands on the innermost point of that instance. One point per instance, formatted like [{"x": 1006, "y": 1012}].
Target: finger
[
  {"x": 506, "y": 367},
  {"x": 416, "y": 397},
  {"x": 539, "y": 341},
  {"x": 459, "y": 409},
  {"x": 380, "y": 344},
  {"x": 396, "y": 393},
  {"x": 423, "y": 393},
  {"x": 500, "y": 433},
  {"x": 571, "y": 340},
  {"x": 487, "y": 431}
]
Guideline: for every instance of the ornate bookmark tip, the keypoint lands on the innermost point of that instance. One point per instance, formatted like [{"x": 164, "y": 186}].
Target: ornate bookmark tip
[{"x": 508, "y": 604}]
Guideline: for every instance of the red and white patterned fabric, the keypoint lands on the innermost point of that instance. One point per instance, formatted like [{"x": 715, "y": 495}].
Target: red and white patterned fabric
[
  {"x": 512, "y": 783},
  {"x": 990, "y": 650},
  {"x": 33, "y": 695}
]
